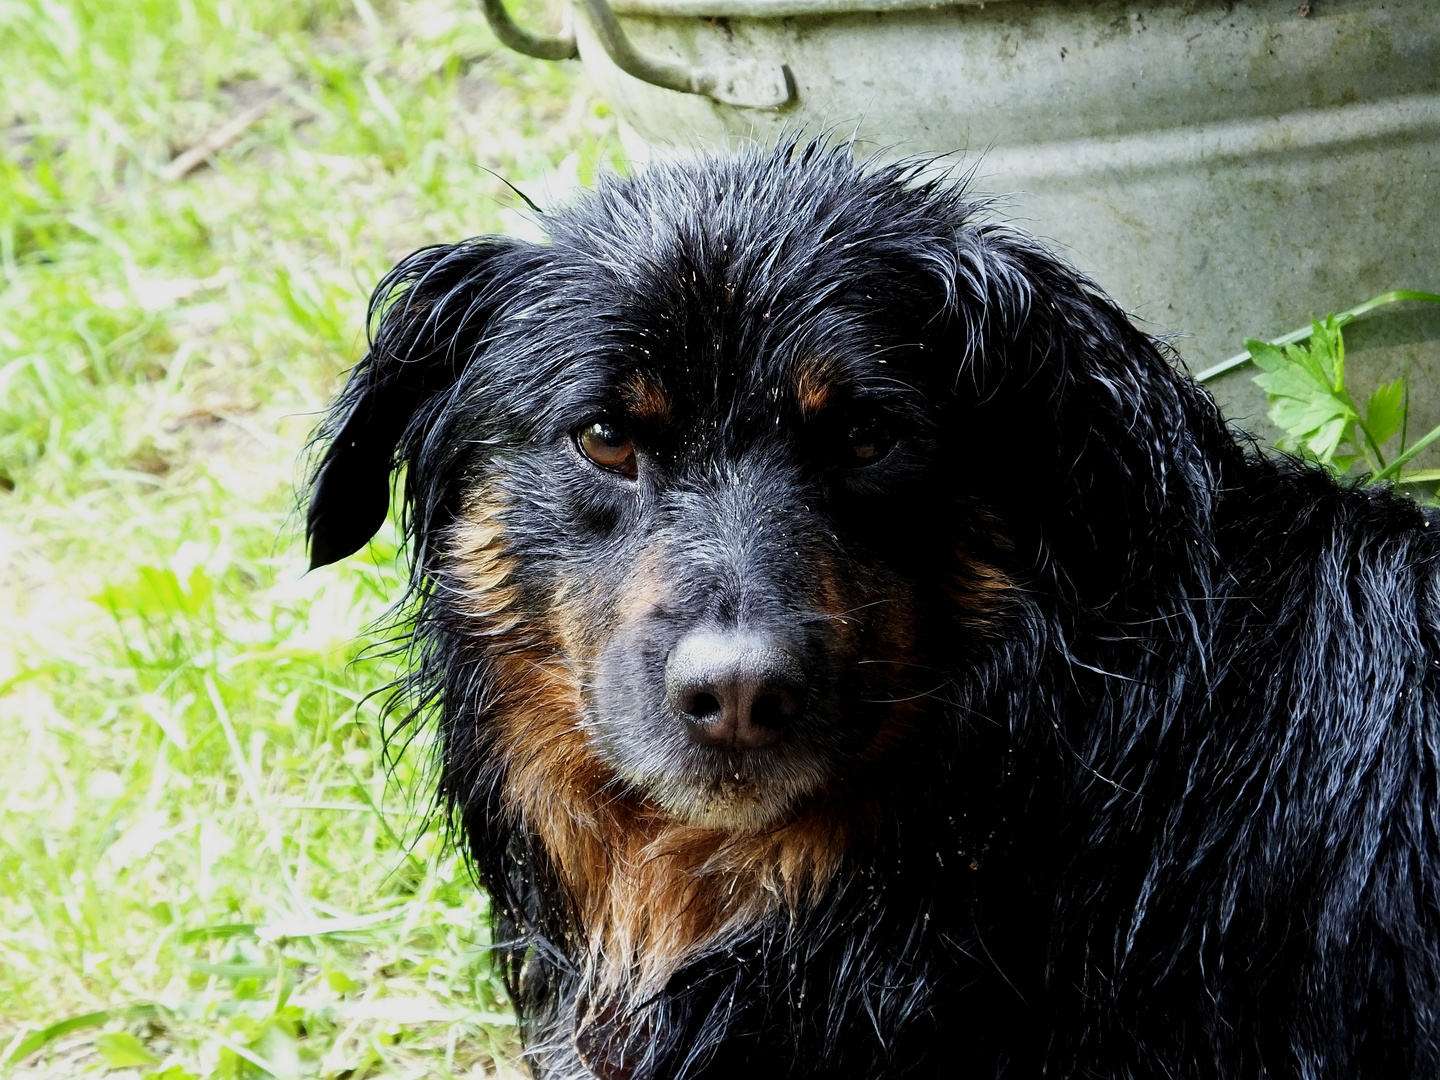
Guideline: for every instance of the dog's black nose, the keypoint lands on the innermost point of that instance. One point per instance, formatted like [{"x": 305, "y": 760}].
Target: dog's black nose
[{"x": 735, "y": 689}]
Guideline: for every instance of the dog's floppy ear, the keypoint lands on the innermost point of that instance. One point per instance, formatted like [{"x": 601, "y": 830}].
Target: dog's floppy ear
[
  {"x": 426, "y": 321},
  {"x": 1112, "y": 451}
]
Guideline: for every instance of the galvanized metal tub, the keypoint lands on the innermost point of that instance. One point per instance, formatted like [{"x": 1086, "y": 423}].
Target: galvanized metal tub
[{"x": 1225, "y": 169}]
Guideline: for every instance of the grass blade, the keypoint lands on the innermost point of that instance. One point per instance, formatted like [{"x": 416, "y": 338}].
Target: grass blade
[
  {"x": 1301, "y": 334},
  {"x": 1389, "y": 472},
  {"x": 38, "y": 1040}
]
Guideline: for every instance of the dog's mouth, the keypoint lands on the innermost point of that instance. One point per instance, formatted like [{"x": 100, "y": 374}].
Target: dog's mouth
[{"x": 722, "y": 789}]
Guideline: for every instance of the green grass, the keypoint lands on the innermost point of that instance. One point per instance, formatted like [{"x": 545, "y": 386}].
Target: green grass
[{"x": 206, "y": 869}]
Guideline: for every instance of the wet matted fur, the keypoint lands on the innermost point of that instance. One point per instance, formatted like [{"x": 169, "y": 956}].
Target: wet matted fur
[{"x": 1090, "y": 744}]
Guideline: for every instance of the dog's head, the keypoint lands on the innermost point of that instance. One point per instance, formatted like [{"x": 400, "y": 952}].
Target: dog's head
[{"x": 714, "y": 493}]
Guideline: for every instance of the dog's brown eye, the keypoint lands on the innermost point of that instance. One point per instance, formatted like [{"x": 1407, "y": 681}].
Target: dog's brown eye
[
  {"x": 868, "y": 443},
  {"x": 609, "y": 447}
]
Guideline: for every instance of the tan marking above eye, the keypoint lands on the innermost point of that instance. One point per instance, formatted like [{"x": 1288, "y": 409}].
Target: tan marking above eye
[
  {"x": 812, "y": 388},
  {"x": 609, "y": 447},
  {"x": 645, "y": 398}
]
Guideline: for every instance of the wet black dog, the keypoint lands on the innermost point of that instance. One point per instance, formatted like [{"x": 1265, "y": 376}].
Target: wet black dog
[{"x": 860, "y": 653}]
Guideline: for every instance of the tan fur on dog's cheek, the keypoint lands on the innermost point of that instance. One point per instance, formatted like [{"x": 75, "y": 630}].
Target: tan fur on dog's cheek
[
  {"x": 482, "y": 571},
  {"x": 979, "y": 591}
]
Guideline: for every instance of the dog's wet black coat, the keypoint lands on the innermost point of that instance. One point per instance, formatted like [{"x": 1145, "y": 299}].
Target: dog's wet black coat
[{"x": 1162, "y": 800}]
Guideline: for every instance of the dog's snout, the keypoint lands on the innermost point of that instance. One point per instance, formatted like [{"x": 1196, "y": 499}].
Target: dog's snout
[{"x": 735, "y": 689}]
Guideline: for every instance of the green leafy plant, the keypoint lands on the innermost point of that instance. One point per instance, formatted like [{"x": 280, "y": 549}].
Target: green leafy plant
[{"x": 1303, "y": 373}]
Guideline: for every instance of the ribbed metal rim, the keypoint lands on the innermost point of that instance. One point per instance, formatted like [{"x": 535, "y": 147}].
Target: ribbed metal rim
[{"x": 779, "y": 9}]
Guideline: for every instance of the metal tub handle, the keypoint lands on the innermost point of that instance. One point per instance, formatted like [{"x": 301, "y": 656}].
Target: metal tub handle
[{"x": 751, "y": 84}]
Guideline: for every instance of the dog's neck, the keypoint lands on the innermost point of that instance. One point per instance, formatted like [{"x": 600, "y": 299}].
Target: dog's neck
[{"x": 652, "y": 893}]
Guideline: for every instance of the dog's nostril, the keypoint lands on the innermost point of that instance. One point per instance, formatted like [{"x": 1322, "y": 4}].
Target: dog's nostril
[
  {"x": 701, "y": 706},
  {"x": 771, "y": 711},
  {"x": 735, "y": 689}
]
